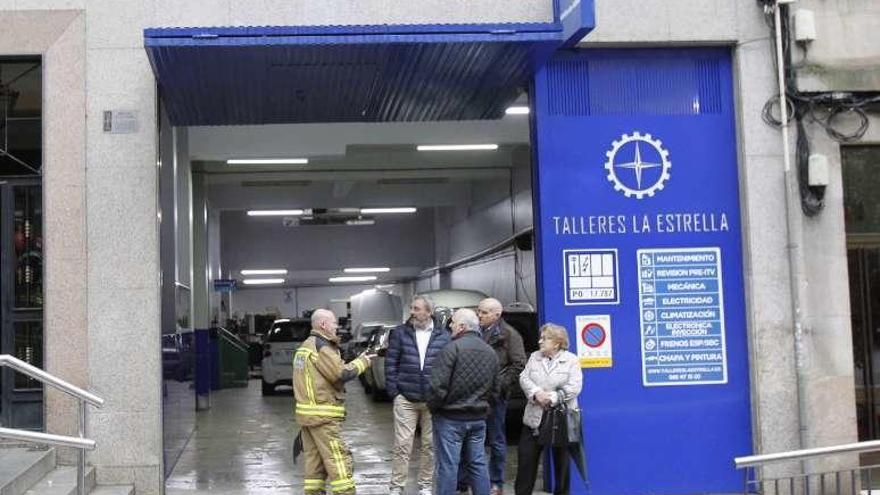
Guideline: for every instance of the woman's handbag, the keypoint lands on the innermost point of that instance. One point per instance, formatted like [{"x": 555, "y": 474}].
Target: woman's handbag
[
  {"x": 560, "y": 426},
  {"x": 573, "y": 425}
]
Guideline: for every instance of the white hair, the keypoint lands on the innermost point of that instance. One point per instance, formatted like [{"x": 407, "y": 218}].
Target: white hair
[
  {"x": 429, "y": 304},
  {"x": 468, "y": 318}
]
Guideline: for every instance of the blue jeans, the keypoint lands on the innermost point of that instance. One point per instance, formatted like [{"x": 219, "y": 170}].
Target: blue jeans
[
  {"x": 496, "y": 431},
  {"x": 452, "y": 439}
]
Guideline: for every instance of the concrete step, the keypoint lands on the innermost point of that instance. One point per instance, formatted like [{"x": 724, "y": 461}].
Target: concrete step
[
  {"x": 62, "y": 481},
  {"x": 113, "y": 490},
  {"x": 22, "y": 468}
]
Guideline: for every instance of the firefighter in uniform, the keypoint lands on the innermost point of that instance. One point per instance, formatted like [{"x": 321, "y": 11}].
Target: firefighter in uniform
[{"x": 319, "y": 377}]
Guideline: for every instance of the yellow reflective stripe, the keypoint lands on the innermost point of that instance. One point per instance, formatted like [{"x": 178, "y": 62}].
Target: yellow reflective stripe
[
  {"x": 314, "y": 483},
  {"x": 310, "y": 383},
  {"x": 319, "y": 414},
  {"x": 359, "y": 364},
  {"x": 342, "y": 465},
  {"x": 335, "y": 459},
  {"x": 347, "y": 487},
  {"x": 342, "y": 485},
  {"x": 310, "y": 386},
  {"x": 306, "y": 410},
  {"x": 306, "y": 351},
  {"x": 321, "y": 407},
  {"x": 340, "y": 462}
]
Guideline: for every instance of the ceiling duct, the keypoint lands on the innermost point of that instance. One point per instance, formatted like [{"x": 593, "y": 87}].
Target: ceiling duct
[{"x": 329, "y": 216}]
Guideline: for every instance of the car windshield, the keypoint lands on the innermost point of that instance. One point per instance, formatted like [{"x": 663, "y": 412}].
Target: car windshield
[{"x": 291, "y": 331}]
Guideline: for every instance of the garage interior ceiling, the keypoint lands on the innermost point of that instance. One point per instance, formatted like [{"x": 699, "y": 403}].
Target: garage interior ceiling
[{"x": 350, "y": 166}]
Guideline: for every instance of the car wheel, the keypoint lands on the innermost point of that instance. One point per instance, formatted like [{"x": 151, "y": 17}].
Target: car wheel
[{"x": 268, "y": 388}]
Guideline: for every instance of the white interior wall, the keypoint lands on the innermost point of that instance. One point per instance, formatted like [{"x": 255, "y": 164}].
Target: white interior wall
[
  {"x": 290, "y": 302},
  {"x": 311, "y": 254},
  {"x": 494, "y": 214}
]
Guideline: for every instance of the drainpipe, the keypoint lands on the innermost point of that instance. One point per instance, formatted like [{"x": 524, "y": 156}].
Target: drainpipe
[{"x": 794, "y": 233}]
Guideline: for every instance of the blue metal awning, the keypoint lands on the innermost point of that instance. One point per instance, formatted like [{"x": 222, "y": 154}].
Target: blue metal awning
[{"x": 269, "y": 75}]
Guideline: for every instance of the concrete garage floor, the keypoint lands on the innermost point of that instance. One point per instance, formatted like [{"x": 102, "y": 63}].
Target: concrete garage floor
[{"x": 243, "y": 445}]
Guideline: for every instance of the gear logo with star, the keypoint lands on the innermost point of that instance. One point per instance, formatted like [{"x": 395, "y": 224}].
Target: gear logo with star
[{"x": 638, "y": 165}]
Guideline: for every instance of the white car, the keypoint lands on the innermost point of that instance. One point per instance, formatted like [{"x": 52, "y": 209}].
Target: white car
[{"x": 280, "y": 343}]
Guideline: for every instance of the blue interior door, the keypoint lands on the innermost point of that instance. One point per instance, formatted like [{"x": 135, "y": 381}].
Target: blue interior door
[{"x": 638, "y": 220}]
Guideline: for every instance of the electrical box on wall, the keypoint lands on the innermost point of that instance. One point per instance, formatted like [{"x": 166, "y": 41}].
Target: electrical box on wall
[
  {"x": 804, "y": 25},
  {"x": 818, "y": 172}
]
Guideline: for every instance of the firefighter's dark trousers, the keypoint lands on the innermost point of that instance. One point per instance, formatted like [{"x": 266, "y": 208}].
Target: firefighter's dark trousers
[{"x": 327, "y": 460}]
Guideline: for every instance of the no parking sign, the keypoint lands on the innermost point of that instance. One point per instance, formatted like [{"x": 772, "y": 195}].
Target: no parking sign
[{"x": 594, "y": 340}]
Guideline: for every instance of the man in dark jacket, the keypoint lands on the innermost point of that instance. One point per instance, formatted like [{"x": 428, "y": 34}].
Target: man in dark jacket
[
  {"x": 464, "y": 382},
  {"x": 411, "y": 354},
  {"x": 508, "y": 346}
]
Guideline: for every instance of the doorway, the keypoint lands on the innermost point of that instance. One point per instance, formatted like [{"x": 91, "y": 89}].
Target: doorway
[
  {"x": 861, "y": 165},
  {"x": 21, "y": 238}
]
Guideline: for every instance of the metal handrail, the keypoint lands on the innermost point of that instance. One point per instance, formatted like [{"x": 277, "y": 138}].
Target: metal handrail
[
  {"x": 81, "y": 443},
  {"x": 46, "y": 438},
  {"x": 42, "y": 376},
  {"x": 233, "y": 339},
  {"x": 797, "y": 455}
]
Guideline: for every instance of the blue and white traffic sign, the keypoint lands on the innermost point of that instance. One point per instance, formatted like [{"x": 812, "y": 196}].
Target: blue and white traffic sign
[{"x": 594, "y": 341}]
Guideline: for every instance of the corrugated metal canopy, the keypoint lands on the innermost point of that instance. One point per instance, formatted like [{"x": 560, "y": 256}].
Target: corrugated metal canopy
[{"x": 267, "y": 75}]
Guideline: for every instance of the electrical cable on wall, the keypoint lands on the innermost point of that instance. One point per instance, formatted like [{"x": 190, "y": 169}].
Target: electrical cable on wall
[{"x": 825, "y": 109}]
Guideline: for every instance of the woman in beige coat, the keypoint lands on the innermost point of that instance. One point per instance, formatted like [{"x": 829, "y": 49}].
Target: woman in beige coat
[{"x": 552, "y": 375}]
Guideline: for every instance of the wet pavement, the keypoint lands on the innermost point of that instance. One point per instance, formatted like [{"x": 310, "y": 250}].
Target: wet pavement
[{"x": 243, "y": 445}]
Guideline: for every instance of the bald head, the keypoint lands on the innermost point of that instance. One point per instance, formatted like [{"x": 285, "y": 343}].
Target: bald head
[
  {"x": 489, "y": 311},
  {"x": 324, "y": 320}
]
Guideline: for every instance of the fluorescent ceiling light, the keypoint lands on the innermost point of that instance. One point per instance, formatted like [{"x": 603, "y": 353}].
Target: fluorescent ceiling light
[
  {"x": 279, "y": 271},
  {"x": 263, "y": 281},
  {"x": 373, "y": 211},
  {"x": 360, "y": 221},
  {"x": 456, "y": 147},
  {"x": 517, "y": 110},
  {"x": 274, "y": 213},
  {"x": 366, "y": 278},
  {"x": 383, "y": 269},
  {"x": 268, "y": 161}
]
